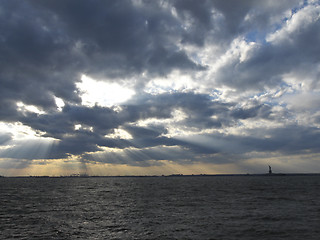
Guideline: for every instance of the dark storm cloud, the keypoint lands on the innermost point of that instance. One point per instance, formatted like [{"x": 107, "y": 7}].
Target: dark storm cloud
[
  {"x": 220, "y": 148},
  {"x": 45, "y": 47},
  {"x": 76, "y": 144},
  {"x": 34, "y": 58},
  {"x": 102, "y": 121},
  {"x": 142, "y": 157},
  {"x": 122, "y": 38},
  {"x": 222, "y": 21},
  {"x": 290, "y": 140},
  {"x": 241, "y": 16},
  {"x": 199, "y": 108},
  {"x": 58, "y": 124},
  {"x": 259, "y": 111},
  {"x": 198, "y": 16},
  {"x": 99, "y": 121},
  {"x": 8, "y": 109},
  {"x": 137, "y": 132}
]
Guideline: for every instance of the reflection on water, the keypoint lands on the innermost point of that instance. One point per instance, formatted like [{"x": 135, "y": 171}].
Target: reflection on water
[{"x": 229, "y": 207}]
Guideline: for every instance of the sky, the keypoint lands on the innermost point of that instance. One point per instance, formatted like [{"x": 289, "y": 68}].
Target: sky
[{"x": 159, "y": 87}]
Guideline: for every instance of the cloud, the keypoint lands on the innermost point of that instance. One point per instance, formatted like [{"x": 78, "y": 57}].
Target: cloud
[
  {"x": 122, "y": 38},
  {"x": 289, "y": 49},
  {"x": 10, "y": 163},
  {"x": 4, "y": 138},
  {"x": 205, "y": 81},
  {"x": 46, "y": 46}
]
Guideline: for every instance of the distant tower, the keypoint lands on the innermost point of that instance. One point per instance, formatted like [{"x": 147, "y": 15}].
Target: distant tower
[{"x": 270, "y": 171}]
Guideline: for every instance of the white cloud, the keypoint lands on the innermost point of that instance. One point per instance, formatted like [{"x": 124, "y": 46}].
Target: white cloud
[
  {"x": 60, "y": 103},
  {"x": 294, "y": 25},
  {"x": 120, "y": 134},
  {"x": 30, "y": 108},
  {"x": 303, "y": 101}
]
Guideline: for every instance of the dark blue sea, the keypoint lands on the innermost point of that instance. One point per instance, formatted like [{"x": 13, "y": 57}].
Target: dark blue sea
[{"x": 211, "y": 207}]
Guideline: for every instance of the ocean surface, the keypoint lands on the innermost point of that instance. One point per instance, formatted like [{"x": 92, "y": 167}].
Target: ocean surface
[{"x": 211, "y": 207}]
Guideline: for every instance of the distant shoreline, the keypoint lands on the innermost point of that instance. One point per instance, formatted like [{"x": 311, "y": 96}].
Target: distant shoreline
[{"x": 174, "y": 175}]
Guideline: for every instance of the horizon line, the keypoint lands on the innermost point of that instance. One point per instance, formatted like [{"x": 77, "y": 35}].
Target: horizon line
[{"x": 170, "y": 175}]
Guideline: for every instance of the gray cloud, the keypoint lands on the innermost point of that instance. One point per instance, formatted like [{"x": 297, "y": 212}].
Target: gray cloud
[
  {"x": 46, "y": 46},
  {"x": 220, "y": 149},
  {"x": 222, "y": 21},
  {"x": 121, "y": 38},
  {"x": 14, "y": 164},
  {"x": 199, "y": 109}
]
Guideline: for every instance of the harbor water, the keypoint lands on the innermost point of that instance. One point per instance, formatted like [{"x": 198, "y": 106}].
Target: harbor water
[{"x": 207, "y": 207}]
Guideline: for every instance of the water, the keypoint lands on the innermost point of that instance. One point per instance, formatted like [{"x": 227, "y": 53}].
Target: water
[{"x": 230, "y": 207}]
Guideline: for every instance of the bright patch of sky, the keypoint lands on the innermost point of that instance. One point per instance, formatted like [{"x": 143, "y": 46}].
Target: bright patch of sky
[
  {"x": 119, "y": 133},
  {"x": 23, "y": 108},
  {"x": 60, "y": 103},
  {"x": 18, "y": 131},
  {"x": 105, "y": 94}
]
